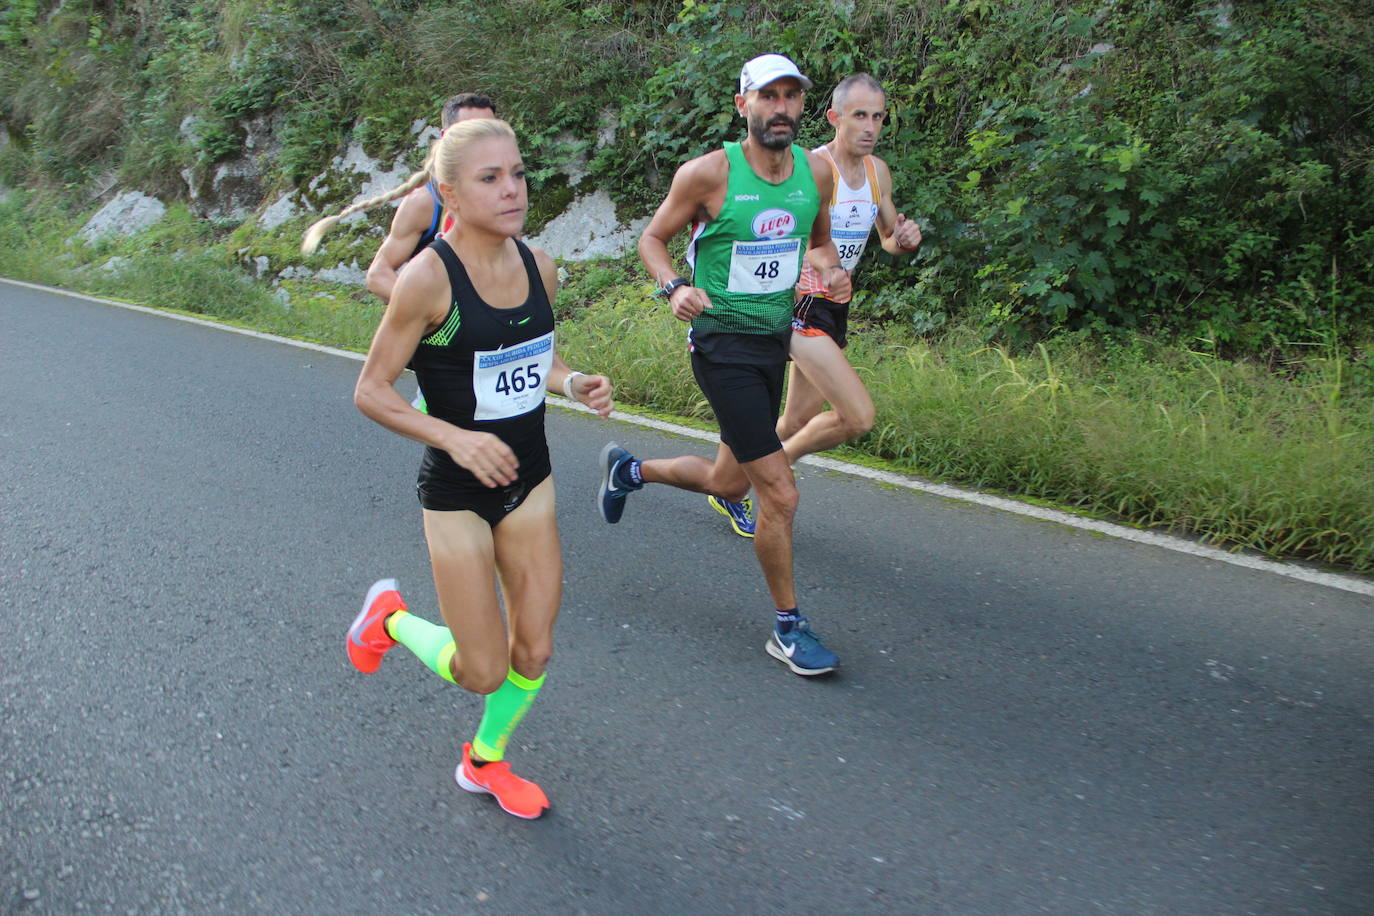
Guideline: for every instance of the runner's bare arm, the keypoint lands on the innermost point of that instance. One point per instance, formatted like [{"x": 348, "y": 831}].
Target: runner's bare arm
[
  {"x": 821, "y": 252},
  {"x": 697, "y": 192},
  {"x": 899, "y": 234},
  {"x": 412, "y": 218},
  {"x": 419, "y": 304},
  {"x": 592, "y": 390}
]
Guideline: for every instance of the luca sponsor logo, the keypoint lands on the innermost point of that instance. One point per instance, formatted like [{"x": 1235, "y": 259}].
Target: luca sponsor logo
[{"x": 774, "y": 223}]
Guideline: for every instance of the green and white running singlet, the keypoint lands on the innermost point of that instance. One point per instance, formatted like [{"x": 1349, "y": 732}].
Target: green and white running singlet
[{"x": 749, "y": 257}]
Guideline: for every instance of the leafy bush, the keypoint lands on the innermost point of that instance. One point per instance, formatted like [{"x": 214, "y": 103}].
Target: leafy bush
[
  {"x": 1195, "y": 169},
  {"x": 1178, "y": 173}
]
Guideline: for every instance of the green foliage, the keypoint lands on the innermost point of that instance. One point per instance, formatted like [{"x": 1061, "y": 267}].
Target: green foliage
[
  {"x": 686, "y": 108},
  {"x": 18, "y": 21},
  {"x": 199, "y": 283},
  {"x": 558, "y": 72},
  {"x": 1198, "y": 170},
  {"x": 310, "y": 136},
  {"x": 1155, "y": 171},
  {"x": 31, "y": 237},
  {"x": 219, "y": 140},
  {"x": 634, "y": 339},
  {"x": 586, "y": 284},
  {"x": 1150, "y": 434}
]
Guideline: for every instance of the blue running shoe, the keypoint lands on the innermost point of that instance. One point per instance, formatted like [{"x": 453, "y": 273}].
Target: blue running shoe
[
  {"x": 740, "y": 514},
  {"x": 800, "y": 649},
  {"x": 610, "y": 500}
]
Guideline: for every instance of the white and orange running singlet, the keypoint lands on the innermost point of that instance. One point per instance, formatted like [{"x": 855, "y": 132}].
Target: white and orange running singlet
[{"x": 853, "y": 211}]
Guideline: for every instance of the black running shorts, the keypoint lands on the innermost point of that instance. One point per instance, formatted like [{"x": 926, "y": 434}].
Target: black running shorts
[
  {"x": 745, "y": 398},
  {"x": 813, "y": 316},
  {"x": 442, "y": 490}
]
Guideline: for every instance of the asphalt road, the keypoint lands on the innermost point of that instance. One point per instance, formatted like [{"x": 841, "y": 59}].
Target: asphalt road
[{"x": 1029, "y": 718}]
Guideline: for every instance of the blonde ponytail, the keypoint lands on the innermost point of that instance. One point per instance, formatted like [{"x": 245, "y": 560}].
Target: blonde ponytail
[
  {"x": 442, "y": 163},
  {"x": 316, "y": 232}
]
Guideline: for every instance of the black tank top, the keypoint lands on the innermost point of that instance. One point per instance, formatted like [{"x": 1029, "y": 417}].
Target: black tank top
[{"x": 487, "y": 368}]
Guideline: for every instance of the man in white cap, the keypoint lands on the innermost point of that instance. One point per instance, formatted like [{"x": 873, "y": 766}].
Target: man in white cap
[
  {"x": 756, "y": 211},
  {"x": 862, "y": 201}
]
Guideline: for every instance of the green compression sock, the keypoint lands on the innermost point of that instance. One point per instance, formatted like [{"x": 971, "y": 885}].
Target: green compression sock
[
  {"x": 505, "y": 708},
  {"x": 431, "y": 643}
]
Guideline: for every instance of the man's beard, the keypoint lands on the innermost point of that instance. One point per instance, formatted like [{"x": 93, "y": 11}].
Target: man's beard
[{"x": 761, "y": 131}]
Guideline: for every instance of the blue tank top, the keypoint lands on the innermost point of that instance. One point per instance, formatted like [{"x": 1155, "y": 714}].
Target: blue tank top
[{"x": 432, "y": 232}]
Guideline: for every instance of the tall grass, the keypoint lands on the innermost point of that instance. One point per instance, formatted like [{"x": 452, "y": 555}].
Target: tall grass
[
  {"x": 1226, "y": 451},
  {"x": 632, "y": 337},
  {"x": 1158, "y": 436}
]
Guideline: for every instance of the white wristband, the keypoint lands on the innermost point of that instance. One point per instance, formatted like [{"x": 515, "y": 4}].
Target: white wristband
[{"x": 567, "y": 384}]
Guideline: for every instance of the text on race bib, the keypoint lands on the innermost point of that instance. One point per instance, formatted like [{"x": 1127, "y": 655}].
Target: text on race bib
[
  {"x": 850, "y": 224},
  {"x": 511, "y": 382},
  {"x": 764, "y": 267}
]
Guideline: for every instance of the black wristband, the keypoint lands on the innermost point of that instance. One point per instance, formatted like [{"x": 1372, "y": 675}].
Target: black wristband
[{"x": 666, "y": 290}]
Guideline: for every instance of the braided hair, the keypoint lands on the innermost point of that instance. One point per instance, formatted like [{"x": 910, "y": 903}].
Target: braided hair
[{"x": 442, "y": 162}]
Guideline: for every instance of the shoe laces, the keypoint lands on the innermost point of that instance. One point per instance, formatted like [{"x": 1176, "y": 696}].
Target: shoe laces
[
  {"x": 501, "y": 780},
  {"x": 496, "y": 775},
  {"x": 742, "y": 511},
  {"x": 617, "y": 488},
  {"x": 801, "y": 631}
]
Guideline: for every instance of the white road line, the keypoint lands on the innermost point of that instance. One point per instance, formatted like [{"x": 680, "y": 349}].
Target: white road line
[{"x": 1359, "y": 586}]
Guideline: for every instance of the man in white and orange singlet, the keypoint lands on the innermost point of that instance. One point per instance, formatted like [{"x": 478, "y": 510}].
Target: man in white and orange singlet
[{"x": 862, "y": 199}]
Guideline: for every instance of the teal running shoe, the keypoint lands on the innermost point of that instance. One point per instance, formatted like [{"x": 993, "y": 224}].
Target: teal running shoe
[
  {"x": 610, "y": 499},
  {"x": 800, "y": 649}
]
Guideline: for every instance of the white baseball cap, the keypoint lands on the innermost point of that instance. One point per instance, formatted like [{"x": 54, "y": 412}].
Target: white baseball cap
[{"x": 767, "y": 68}]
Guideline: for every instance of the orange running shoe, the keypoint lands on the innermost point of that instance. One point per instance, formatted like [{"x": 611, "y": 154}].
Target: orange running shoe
[
  {"x": 368, "y": 639},
  {"x": 515, "y": 795}
]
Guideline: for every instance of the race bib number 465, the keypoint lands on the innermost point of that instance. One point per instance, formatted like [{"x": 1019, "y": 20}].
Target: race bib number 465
[
  {"x": 511, "y": 382},
  {"x": 764, "y": 267}
]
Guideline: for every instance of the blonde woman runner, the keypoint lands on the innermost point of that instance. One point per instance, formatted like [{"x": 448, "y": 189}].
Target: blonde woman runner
[
  {"x": 472, "y": 314},
  {"x": 419, "y": 218}
]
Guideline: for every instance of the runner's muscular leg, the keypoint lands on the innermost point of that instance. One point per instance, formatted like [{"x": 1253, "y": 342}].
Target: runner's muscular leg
[
  {"x": 463, "y": 557},
  {"x": 722, "y": 477},
  {"x": 529, "y": 562},
  {"x": 775, "y": 493},
  {"x": 828, "y": 369},
  {"x": 803, "y": 402}
]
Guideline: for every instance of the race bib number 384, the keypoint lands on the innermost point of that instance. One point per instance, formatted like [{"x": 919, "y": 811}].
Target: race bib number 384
[
  {"x": 511, "y": 382},
  {"x": 764, "y": 267}
]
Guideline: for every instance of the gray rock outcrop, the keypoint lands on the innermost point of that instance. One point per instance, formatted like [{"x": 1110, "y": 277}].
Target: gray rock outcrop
[{"x": 127, "y": 214}]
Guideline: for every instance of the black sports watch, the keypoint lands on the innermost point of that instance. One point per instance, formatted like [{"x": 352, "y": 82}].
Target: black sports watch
[{"x": 666, "y": 290}]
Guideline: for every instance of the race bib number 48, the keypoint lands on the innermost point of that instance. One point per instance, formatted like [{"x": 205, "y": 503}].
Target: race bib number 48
[
  {"x": 764, "y": 267},
  {"x": 511, "y": 382}
]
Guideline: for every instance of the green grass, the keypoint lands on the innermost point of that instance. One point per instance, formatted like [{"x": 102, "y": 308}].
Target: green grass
[
  {"x": 1228, "y": 452},
  {"x": 1278, "y": 459}
]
